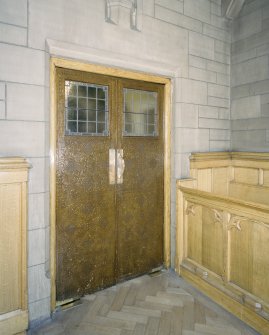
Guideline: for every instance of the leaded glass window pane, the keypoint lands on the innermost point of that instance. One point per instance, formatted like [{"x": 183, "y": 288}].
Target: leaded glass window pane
[
  {"x": 140, "y": 113},
  {"x": 86, "y": 109}
]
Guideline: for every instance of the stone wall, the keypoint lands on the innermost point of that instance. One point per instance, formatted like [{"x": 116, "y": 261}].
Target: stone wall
[
  {"x": 190, "y": 35},
  {"x": 250, "y": 78}
]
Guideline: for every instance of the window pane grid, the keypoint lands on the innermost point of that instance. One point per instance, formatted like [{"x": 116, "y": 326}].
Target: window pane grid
[
  {"x": 86, "y": 107},
  {"x": 140, "y": 113}
]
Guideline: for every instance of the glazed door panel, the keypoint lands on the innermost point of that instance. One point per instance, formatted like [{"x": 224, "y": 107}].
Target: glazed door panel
[
  {"x": 106, "y": 230},
  {"x": 140, "y": 197},
  {"x": 85, "y": 205}
]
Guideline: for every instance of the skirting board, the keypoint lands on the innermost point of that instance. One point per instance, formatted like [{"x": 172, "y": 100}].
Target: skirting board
[{"x": 242, "y": 312}]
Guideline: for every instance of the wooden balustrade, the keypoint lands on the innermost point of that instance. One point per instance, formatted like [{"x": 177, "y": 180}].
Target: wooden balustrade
[{"x": 223, "y": 233}]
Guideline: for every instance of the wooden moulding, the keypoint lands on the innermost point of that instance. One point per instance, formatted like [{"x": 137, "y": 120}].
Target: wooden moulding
[
  {"x": 13, "y": 221},
  {"x": 121, "y": 73},
  {"x": 222, "y": 232},
  {"x": 242, "y": 312},
  {"x": 218, "y": 159}
]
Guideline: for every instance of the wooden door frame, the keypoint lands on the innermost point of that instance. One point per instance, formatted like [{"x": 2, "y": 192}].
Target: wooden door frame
[{"x": 121, "y": 73}]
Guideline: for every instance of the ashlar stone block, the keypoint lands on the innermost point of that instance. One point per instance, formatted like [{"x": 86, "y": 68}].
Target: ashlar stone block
[
  {"x": 193, "y": 91},
  {"x": 199, "y": 10},
  {"x": 247, "y": 25},
  {"x": 13, "y": 34},
  {"x": 23, "y": 65},
  {"x": 39, "y": 311},
  {"x": 218, "y": 91},
  {"x": 25, "y": 102},
  {"x": 36, "y": 211},
  {"x": 174, "y": 5},
  {"x": 39, "y": 285},
  {"x": 2, "y": 109},
  {"x": 219, "y": 145},
  {"x": 245, "y": 108},
  {"x": 14, "y": 12},
  {"x": 214, "y": 123},
  {"x": 29, "y": 137},
  {"x": 191, "y": 140},
  {"x": 186, "y": 116},
  {"x": 208, "y": 112},
  {"x": 36, "y": 247},
  {"x": 201, "y": 45},
  {"x": 2, "y": 91},
  {"x": 217, "y": 33},
  {"x": 219, "y": 135},
  {"x": 203, "y": 75}
]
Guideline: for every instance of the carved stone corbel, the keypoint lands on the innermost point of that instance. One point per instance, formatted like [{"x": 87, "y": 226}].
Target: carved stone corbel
[{"x": 112, "y": 8}]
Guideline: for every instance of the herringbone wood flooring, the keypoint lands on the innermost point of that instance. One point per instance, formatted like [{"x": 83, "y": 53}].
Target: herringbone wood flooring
[{"x": 160, "y": 305}]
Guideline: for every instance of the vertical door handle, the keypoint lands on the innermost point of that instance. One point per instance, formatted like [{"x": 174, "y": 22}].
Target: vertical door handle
[
  {"x": 112, "y": 166},
  {"x": 120, "y": 166}
]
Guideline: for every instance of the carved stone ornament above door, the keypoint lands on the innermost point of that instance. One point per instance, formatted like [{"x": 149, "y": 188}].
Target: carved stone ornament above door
[{"x": 134, "y": 7}]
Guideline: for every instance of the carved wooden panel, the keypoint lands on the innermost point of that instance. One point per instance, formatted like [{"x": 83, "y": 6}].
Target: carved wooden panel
[
  {"x": 220, "y": 180},
  {"x": 266, "y": 177},
  {"x": 10, "y": 248},
  {"x": 194, "y": 227},
  {"x": 225, "y": 251},
  {"x": 13, "y": 294},
  {"x": 241, "y": 270},
  {"x": 260, "y": 286},
  {"x": 204, "y": 180},
  {"x": 246, "y": 175},
  {"x": 253, "y": 193},
  {"x": 212, "y": 240}
]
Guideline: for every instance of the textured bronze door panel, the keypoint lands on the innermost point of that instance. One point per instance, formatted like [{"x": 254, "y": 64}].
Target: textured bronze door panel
[
  {"x": 85, "y": 206},
  {"x": 106, "y": 232},
  {"x": 140, "y": 197}
]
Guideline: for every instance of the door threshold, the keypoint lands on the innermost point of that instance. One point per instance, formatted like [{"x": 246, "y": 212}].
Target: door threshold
[
  {"x": 68, "y": 303},
  {"x": 157, "y": 271}
]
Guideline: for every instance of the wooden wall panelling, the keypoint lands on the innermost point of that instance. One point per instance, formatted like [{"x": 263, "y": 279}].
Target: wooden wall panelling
[
  {"x": 193, "y": 225},
  {"x": 253, "y": 193},
  {"x": 266, "y": 177},
  {"x": 204, "y": 180},
  {"x": 246, "y": 175},
  {"x": 260, "y": 286},
  {"x": 13, "y": 249},
  {"x": 181, "y": 206},
  {"x": 10, "y": 248},
  {"x": 223, "y": 232},
  {"x": 220, "y": 180},
  {"x": 241, "y": 263},
  {"x": 212, "y": 240}
]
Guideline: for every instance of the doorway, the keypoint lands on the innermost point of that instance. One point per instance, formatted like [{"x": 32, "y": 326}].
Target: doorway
[{"x": 109, "y": 180}]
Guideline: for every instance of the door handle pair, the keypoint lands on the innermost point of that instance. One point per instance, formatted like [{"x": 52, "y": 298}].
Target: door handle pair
[{"x": 116, "y": 166}]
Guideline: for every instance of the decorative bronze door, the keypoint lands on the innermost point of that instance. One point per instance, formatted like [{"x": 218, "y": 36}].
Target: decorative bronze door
[
  {"x": 109, "y": 181},
  {"x": 140, "y": 197}
]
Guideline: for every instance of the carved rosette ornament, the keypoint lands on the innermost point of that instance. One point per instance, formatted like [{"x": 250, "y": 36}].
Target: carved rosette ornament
[
  {"x": 190, "y": 210},
  {"x": 235, "y": 221},
  {"x": 218, "y": 216}
]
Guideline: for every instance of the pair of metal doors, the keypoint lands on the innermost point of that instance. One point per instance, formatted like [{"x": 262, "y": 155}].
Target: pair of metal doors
[{"x": 109, "y": 181}]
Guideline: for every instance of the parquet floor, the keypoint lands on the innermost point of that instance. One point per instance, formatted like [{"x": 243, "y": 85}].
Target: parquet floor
[{"x": 158, "y": 305}]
